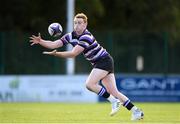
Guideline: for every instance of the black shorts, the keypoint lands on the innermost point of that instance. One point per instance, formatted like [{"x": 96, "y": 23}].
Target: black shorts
[{"x": 105, "y": 63}]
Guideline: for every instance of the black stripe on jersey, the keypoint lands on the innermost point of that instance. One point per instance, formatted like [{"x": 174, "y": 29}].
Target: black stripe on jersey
[
  {"x": 66, "y": 37},
  {"x": 83, "y": 45},
  {"x": 90, "y": 47},
  {"x": 94, "y": 52}
]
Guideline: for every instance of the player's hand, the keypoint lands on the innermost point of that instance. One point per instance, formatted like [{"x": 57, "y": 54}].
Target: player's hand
[
  {"x": 50, "y": 53},
  {"x": 35, "y": 39}
]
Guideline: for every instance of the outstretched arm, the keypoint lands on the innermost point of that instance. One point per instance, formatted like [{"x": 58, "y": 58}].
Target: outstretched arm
[
  {"x": 45, "y": 43},
  {"x": 66, "y": 54}
]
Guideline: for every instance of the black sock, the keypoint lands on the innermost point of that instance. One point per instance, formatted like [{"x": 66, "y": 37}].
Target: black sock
[
  {"x": 128, "y": 105},
  {"x": 103, "y": 93}
]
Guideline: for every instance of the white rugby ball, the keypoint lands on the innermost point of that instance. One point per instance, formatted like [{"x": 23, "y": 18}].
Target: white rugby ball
[{"x": 55, "y": 29}]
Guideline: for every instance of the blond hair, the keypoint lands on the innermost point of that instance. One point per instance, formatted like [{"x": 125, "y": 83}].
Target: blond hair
[{"x": 83, "y": 16}]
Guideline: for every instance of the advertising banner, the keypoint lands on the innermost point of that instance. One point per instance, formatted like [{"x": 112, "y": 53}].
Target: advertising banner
[
  {"x": 45, "y": 89},
  {"x": 149, "y": 88}
]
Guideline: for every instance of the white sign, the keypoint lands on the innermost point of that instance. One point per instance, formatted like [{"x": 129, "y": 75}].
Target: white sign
[{"x": 45, "y": 88}]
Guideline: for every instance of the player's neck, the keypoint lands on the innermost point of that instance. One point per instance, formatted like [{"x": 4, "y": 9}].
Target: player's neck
[{"x": 80, "y": 32}]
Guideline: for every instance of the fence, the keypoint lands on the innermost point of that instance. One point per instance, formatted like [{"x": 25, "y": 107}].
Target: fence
[{"x": 133, "y": 52}]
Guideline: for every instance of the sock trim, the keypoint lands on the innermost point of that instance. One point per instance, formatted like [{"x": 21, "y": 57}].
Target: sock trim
[
  {"x": 102, "y": 91},
  {"x": 126, "y": 103}
]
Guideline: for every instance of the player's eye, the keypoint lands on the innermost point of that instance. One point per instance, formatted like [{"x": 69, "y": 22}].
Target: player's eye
[{"x": 79, "y": 23}]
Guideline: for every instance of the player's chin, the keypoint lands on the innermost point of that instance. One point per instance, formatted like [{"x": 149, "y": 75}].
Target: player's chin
[{"x": 76, "y": 30}]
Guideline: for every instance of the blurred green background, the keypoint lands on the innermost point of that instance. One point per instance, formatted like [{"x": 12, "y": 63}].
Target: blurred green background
[{"x": 126, "y": 28}]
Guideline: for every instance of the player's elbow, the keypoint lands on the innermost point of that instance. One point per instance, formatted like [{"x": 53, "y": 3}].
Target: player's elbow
[{"x": 73, "y": 55}]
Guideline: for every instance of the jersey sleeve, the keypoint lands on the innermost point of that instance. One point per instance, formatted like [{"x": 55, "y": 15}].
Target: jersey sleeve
[
  {"x": 85, "y": 41},
  {"x": 66, "y": 38}
]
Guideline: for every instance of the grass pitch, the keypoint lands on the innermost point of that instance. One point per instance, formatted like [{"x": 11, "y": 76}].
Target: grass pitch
[{"x": 155, "y": 113}]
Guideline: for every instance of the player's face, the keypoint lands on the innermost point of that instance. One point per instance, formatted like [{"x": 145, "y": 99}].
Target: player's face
[{"x": 79, "y": 25}]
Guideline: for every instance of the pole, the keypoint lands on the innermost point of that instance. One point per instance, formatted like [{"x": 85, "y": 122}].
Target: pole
[{"x": 70, "y": 62}]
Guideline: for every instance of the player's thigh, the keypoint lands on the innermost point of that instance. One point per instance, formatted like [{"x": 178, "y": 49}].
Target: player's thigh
[
  {"x": 110, "y": 83},
  {"x": 96, "y": 75}
]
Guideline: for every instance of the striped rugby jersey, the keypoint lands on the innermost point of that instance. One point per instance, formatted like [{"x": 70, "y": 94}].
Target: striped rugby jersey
[{"x": 92, "y": 49}]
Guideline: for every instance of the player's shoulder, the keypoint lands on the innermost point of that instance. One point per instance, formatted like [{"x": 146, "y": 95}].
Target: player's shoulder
[
  {"x": 86, "y": 35},
  {"x": 67, "y": 37}
]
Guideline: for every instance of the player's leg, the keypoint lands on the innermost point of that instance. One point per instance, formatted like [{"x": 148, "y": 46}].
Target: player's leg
[
  {"x": 110, "y": 84},
  {"x": 92, "y": 83},
  {"x": 94, "y": 77}
]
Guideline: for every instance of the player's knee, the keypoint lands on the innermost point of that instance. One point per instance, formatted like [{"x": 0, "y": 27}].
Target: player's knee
[{"x": 89, "y": 86}]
